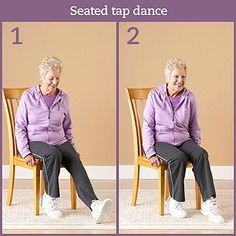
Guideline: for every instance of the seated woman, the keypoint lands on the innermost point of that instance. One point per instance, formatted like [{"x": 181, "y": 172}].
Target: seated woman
[
  {"x": 171, "y": 133},
  {"x": 43, "y": 131}
]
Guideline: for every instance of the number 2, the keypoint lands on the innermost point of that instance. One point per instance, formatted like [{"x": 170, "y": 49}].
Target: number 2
[{"x": 136, "y": 32}]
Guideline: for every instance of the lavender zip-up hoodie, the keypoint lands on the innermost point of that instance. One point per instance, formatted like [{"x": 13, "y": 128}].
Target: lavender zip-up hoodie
[
  {"x": 36, "y": 122},
  {"x": 163, "y": 124}
]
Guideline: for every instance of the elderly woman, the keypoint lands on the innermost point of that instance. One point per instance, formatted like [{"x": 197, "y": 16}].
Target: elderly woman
[
  {"x": 43, "y": 131},
  {"x": 171, "y": 133}
]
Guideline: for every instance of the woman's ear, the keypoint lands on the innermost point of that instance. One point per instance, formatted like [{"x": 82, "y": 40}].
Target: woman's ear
[{"x": 41, "y": 77}]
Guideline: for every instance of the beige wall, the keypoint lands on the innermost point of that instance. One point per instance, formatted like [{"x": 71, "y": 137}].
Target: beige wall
[
  {"x": 208, "y": 50},
  {"x": 88, "y": 54},
  {"x": 87, "y": 51}
]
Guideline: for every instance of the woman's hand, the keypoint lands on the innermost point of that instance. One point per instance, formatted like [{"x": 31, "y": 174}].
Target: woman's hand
[
  {"x": 29, "y": 160},
  {"x": 154, "y": 161}
]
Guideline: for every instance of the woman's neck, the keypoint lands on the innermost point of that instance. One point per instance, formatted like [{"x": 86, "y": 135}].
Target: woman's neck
[
  {"x": 45, "y": 91},
  {"x": 172, "y": 92}
]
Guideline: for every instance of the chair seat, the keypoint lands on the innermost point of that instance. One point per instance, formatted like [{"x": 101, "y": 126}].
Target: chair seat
[
  {"x": 144, "y": 161},
  {"x": 19, "y": 161}
]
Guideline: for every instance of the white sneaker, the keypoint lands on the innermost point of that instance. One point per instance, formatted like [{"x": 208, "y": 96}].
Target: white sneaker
[
  {"x": 175, "y": 208},
  {"x": 210, "y": 209},
  {"x": 50, "y": 206},
  {"x": 99, "y": 210}
]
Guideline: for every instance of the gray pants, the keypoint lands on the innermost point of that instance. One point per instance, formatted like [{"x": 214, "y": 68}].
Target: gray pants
[
  {"x": 176, "y": 158},
  {"x": 65, "y": 154}
]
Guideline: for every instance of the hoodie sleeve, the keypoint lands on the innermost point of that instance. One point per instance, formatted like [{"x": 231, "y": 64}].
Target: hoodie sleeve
[
  {"x": 149, "y": 127},
  {"x": 21, "y": 127},
  {"x": 67, "y": 125},
  {"x": 194, "y": 129}
]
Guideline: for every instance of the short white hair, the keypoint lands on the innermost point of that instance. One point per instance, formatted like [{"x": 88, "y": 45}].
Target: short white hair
[
  {"x": 171, "y": 64},
  {"x": 49, "y": 63}
]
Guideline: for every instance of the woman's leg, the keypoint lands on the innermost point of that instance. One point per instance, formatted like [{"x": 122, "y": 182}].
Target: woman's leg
[
  {"x": 72, "y": 162},
  {"x": 201, "y": 167},
  {"x": 51, "y": 158},
  {"x": 176, "y": 161}
]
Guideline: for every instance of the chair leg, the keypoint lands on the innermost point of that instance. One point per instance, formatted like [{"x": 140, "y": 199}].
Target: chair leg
[
  {"x": 135, "y": 184},
  {"x": 36, "y": 189},
  {"x": 41, "y": 184},
  {"x": 161, "y": 182},
  {"x": 167, "y": 191},
  {"x": 73, "y": 193},
  {"x": 198, "y": 196},
  {"x": 11, "y": 184}
]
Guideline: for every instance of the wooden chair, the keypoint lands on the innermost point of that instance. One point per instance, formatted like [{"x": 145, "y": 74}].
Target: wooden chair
[
  {"x": 11, "y": 98},
  {"x": 137, "y": 99}
]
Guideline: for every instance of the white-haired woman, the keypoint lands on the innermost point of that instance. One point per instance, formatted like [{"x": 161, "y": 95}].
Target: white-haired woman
[
  {"x": 43, "y": 131},
  {"x": 171, "y": 133}
]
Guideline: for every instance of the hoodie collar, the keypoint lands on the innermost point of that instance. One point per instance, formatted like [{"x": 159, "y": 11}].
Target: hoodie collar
[
  {"x": 163, "y": 89},
  {"x": 36, "y": 89}
]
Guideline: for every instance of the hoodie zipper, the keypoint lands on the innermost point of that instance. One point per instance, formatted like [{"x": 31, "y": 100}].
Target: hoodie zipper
[
  {"x": 173, "y": 116},
  {"x": 49, "y": 110}
]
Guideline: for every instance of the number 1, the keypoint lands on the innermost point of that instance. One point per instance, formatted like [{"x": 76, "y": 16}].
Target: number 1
[{"x": 17, "y": 36}]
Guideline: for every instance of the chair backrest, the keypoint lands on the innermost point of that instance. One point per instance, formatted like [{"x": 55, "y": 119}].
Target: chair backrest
[
  {"x": 137, "y": 99},
  {"x": 11, "y": 98}
]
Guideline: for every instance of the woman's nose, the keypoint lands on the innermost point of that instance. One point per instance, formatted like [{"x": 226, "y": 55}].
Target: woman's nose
[
  {"x": 55, "y": 81},
  {"x": 180, "y": 79}
]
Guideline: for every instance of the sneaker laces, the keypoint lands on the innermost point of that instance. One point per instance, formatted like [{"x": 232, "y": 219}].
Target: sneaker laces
[
  {"x": 213, "y": 207},
  {"x": 53, "y": 204},
  {"x": 95, "y": 203},
  {"x": 179, "y": 206}
]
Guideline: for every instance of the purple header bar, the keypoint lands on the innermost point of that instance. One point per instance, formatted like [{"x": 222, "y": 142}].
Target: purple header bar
[{"x": 59, "y": 10}]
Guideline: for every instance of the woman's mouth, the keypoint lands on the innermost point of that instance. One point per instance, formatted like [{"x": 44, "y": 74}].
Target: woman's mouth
[{"x": 178, "y": 85}]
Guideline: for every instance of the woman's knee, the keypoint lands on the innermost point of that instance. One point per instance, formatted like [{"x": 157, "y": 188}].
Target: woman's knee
[
  {"x": 181, "y": 158},
  {"x": 55, "y": 154},
  {"x": 203, "y": 155}
]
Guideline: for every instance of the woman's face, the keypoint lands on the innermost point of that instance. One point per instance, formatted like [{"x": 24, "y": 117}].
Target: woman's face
[
  {"x": 177, "y": 79},
  {"x": 51, "y": 81}
]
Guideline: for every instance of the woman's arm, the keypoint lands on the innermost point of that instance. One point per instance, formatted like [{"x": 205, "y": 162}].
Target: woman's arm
[
  {"x": 21, "y": 127},
  {"x": 194, "y": 129},
  {"x": 67, "y": 125},
  {"x": 149, "y": 127}
]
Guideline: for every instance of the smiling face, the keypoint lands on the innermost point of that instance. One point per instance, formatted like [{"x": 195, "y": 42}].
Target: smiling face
[
  {"x": 176, "y": 81},
  {"x": 50, "y": 82}
]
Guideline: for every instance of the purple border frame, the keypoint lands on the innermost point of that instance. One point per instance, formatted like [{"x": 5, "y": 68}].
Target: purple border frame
[
  {"x": 117, "y": 122},
  {"x": 58, "y": 11}
]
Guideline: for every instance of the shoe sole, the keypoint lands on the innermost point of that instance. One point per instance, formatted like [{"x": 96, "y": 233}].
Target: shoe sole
[
  {"x": 168, "y": 211},
  {"x": 203, "y": 212},
  {"x": 103, "y": 215}
]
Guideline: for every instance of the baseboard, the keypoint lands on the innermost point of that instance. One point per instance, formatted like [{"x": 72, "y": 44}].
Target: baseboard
[
  {"x": 94, "y": 172},
  {"x": 218, "y": 172},
  {"x": 125, "y": 172}
]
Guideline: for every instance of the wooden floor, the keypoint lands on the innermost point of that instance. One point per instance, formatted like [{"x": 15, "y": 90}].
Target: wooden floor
[{"x": 123, "y": 184}]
